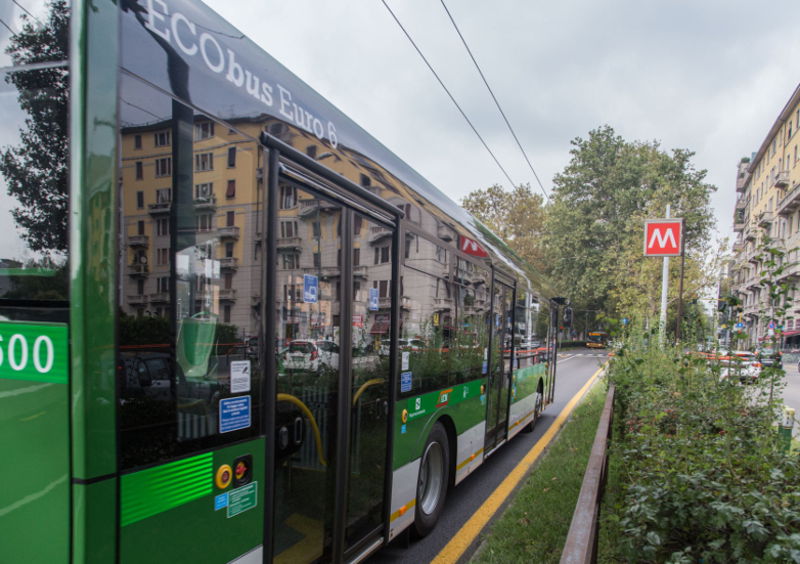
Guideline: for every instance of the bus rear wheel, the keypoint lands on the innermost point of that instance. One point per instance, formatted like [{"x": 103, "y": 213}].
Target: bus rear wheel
[
  {"x": 537, "y": 412},
  {"x": 434, "y": 477}
]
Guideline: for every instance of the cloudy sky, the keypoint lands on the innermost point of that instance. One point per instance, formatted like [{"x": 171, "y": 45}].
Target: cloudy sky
[{"x": 709, "y": 75}]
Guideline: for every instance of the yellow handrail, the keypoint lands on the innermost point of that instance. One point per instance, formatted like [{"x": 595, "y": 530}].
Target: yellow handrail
[
  {"x": 366, "y": 385},
  {"x": 314, "y": 427}
]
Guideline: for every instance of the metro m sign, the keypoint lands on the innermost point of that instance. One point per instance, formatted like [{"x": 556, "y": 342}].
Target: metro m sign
[{"x": 662, "y": 237}]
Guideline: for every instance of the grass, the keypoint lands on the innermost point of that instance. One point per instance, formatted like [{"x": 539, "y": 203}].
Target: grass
[{"x": 534, "y": 527}]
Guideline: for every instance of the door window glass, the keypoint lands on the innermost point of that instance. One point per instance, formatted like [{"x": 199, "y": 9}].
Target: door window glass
[
  {"x": 371, "y": 323},
  {"x": 308, "y": 320}
]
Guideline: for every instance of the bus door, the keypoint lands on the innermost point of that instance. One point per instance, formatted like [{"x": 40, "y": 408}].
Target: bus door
[
  {"x": 500, "y": 358},
  {"x": 332, "y": 309}
]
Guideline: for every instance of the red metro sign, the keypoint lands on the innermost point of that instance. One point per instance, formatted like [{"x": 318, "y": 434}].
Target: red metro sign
[{"x": 663, "y": 237}]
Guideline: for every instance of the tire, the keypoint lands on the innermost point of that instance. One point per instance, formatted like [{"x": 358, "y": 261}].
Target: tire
[
  {"x": 537, "y": 412},
  {"x": 432, "y": 481}
]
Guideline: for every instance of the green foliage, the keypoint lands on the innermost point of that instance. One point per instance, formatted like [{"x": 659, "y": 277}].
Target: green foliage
[
  {"x": 36, "y": 170},
  {"x": 702, "y": 476},
  {"x": 535, "y": 526},
  {"x": 594, "y": 224},
  {"x": 517, "y": 217}
]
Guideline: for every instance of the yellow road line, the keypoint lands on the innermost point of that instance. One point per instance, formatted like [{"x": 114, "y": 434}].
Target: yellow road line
[{"x": 472, "y": 528}]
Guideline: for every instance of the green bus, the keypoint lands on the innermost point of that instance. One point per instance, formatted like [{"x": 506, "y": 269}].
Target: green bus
[{"x": 233, "y": 326}]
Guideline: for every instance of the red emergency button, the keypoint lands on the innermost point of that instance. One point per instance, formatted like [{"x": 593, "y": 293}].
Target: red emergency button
[{"x": 224, "y": 476}]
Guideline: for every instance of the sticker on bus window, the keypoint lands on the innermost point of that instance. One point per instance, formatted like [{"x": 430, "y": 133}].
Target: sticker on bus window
[
  {"x": 405, "y": 382},
  {"x": 234, "y": 414},
  {"x": 240, "y": 376},
  {"x": 404, "y": 360}
]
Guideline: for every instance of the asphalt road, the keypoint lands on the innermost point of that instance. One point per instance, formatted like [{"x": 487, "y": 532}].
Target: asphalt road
[
  {"x": 574, "y": 369},
  {"x": 791, "y": 394}
]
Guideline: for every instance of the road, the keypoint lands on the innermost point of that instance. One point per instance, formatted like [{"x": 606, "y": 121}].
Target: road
[
  {"x": 574, "y": 369},
  {"x": 791, "y": 394}
]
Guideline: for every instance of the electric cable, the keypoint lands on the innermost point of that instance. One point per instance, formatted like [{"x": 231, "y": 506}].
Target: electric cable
[
  {"x": 497, "y": 103},
  {"x": 441, "y": 83}
]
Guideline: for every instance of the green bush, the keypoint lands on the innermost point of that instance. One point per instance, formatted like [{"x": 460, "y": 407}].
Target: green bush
[{"x": 701, "y": 475}]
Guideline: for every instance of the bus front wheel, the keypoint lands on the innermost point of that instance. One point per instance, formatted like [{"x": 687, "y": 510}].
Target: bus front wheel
[{"x": 434, "y": 477}]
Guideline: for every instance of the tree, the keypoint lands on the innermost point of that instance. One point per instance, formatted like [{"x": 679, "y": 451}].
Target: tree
[
  {"x": 594, "y": 224},
  {"x": 36, "y": 170},
  {"x": 517, "y": 217}
]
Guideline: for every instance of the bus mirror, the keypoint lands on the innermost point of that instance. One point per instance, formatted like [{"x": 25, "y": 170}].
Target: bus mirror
[{"x": 568, "y": 316}]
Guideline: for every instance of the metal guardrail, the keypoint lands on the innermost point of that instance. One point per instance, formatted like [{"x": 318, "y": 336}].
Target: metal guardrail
[{"x": 581, "y": 544}]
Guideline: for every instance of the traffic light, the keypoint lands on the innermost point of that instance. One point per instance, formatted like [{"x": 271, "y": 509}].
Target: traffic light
[{"x": 568, "y": 316}]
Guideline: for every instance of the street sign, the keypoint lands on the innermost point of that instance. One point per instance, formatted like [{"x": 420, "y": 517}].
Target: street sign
[
  {"x": 310, "y": 288},
  {"x": 662, "y": 237}
]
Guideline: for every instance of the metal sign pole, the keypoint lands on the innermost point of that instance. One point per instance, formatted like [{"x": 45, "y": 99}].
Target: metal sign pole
[
  {"x": 680, "y": 288},
  {"x": 662, "y": 323}
]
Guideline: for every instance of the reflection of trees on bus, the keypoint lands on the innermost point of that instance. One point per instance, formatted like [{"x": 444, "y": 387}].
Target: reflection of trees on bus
[{"x": 36, "y": 170}]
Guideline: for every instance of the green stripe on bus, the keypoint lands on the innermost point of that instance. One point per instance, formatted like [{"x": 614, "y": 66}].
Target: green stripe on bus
[
  {"x": 34, "y": 352},
  {"x": 159, "y": 489}
]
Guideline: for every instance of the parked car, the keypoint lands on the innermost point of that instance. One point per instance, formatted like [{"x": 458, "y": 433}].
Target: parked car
[
  {"x": 743, "y": 365},
  {"x": 302, "y": 356},
  {"x": 413, "y": 345},
  {"x": 328, "y": 354},
  {"x": 769, "y": 356}
]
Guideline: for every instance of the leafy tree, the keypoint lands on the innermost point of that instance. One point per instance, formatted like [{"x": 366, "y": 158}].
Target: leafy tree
[
  {"x": 516, "y": 216},
  {"x": 36, "y": 170},
  {"x": 594, "y": 224}
]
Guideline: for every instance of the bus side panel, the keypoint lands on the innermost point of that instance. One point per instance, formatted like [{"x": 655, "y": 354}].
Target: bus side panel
[
  {"x": 523, "y": 396},
  {"x": 93, "y": 177},
  {"x": 34, "y": 473},
  {"x": 176, "y": 512}
]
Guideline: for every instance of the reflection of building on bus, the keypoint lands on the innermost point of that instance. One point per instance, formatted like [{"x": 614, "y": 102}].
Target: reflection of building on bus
[
  {"x": 597, "y": 339},
  {"x": 284, "y": 344}
]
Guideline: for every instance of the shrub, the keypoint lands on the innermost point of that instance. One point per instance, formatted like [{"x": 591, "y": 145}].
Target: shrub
[{"x": 702, "y": 476}]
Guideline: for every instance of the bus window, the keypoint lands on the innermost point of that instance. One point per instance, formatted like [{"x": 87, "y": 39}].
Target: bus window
[{"x": 189, "y": 278}]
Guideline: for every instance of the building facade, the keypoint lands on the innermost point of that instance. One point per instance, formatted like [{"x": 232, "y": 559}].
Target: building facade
[{"x": 768, "y": 206}]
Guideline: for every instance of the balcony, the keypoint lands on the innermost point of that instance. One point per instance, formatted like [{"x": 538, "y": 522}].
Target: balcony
[
  {"x": 738, "y": 247},
  {"x": 205, "y": 203},
  {"x": 738, "y": 223},
  {"x": 377, "y": 233},
  {"x": 138, "y": 270},
  {"x": 442, "y": 304},
  {"x": 312, "y": 207},
  {"x": 360, "y": 271},
  {"x": 782, "y": 179},
  {"x": 138, "y": 241},
  {"x": 159, "y": 208},
  {"x": 229, "y": 263},
  {"x": 444, "y": 233},
  {"x": 227, "y": 295},
  {"x": 790, "y": 203},
  {"x": 290, "y": 244},
  {"x": 766, "y": 218},
  {"x": 229, "y": 232},
  {"x": 159, "y": 298},
  {"x": 137, "y": 300}
]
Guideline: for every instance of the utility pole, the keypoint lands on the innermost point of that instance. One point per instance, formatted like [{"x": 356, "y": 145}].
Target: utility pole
[{"x": 662, "y": 322}]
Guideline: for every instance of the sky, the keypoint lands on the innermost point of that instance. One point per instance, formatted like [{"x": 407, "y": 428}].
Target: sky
[{"x": 710, "y": 76}]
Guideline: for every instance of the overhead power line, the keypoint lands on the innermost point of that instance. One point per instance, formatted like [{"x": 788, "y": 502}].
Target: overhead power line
[
  {"x": 489, "y": 88},
  {"x": 464, "y": 115}
]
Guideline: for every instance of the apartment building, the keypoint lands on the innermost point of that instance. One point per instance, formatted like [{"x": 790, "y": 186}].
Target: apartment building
[{"x": 768, "y": 205}]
